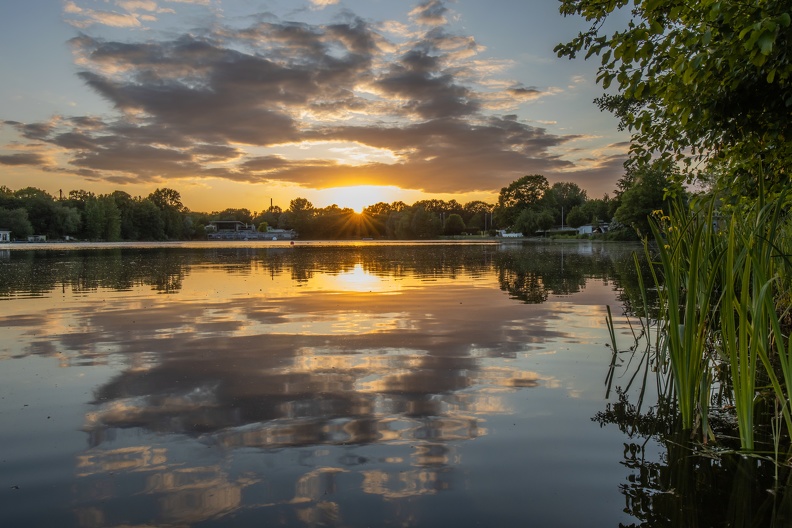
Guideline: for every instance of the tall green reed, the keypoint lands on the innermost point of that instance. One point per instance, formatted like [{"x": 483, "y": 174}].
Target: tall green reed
[
  {"x": 686, "y": 277},
  {"x": 751, "y": 331},
  {"x": 719, "y": 286}
]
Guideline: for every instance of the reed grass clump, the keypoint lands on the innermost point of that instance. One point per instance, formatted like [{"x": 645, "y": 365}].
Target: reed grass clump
[{"x": 724, "y": 313}]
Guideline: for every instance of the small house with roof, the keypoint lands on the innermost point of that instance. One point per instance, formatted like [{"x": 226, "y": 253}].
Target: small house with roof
[
  {"x": 235, "y": 230},
  {"x": 5, "y": 235}
]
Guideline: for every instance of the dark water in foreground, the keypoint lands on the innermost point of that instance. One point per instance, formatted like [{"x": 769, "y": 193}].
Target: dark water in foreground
[{"x": 325, "y": 385}]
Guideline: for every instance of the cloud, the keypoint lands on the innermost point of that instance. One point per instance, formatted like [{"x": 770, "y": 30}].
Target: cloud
[
  {"x": 22, "y": 158},
  {"x": 225, "y": 102},
  {"x": 430, "y": 13},
  {"x": 129, "y": 16},
  {"x": 83, "y": 18},
  {"x": 323, "y": 3}
]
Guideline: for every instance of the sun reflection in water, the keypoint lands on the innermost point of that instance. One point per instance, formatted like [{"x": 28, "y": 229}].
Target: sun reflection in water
[{"x": 359, "y": 280}]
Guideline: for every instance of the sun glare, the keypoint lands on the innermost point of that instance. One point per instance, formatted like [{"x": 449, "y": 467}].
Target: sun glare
[{"x": 358, "y": 197}]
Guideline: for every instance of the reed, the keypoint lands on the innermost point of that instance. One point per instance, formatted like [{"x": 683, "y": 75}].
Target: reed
[
  {"x": 686, "y": 277},
  {"x": 751, "y": 331},
  {"x": 718, "y": 289}
]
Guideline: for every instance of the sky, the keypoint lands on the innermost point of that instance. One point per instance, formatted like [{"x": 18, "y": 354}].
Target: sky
[{"x": 244, "y": 103}]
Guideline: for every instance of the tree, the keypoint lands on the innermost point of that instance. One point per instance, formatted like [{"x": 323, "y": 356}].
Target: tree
[
  {"x": 239, "y": 215},
  {"x": 102, "y": 218},
  {"x": 523, "y": 193},
  {"x": 148, "y": 220},
  {"x": 563, "y": 196},
  {"x": 647, "y": 193},
  {"x": 41, "y": 211},
  {"x": 168, "y": 201},
  {"x": 300, "y": 216},
  {"x": 454, "y": 225},
  {"x": 270, "y": 216},
  {"x": 69, "y": 220},
  {"x": 126, "y": 205},
  {"x": 532, "y": 220},
  {"x": 597, "y": 209},
  {"x": 713, "y": 79},
  {"x": 424, "y": 223},
  {"x": 17, "y": 221},
  {"x": 576, "y": 217}
]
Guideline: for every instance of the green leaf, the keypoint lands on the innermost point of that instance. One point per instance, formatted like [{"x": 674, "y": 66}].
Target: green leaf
[{"x": 765, "y": 42}]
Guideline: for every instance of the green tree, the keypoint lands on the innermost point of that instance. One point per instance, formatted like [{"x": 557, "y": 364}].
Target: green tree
[
  {"x": 69, "y": 220},
  {"x": 301, "y": 213},
  {"x": 425, "y": 223},
  {"x": 530, "y": 221},
  {"x": 647, "y": 192},
  {"x": 41, "y": 211},
  {"x": 148, "y": 221},
  {"x": 577, "y": 217},
  {"x": 168, "y": 201},
  {"x": 705, "y": 82},
  {"x": 597, "y": 209},
  {"x": 239, "y": 215},
  {"x": 563, "y": 196},
  {"x": 476, "y": 215},
  {"x": 523, "y": 193},
  {"x": 454, "y": 225},
  {"x": 126, "y": 207},
  {"x": 270, "y": 216},
  {"x": 102, "y": 218},
  {"x": 17, "y": 221}
]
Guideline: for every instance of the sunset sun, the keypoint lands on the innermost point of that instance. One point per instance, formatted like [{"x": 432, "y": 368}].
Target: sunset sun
[{"x": 358, "y": 197}]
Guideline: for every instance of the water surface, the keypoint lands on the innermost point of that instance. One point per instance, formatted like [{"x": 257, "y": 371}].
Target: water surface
[{"x": 315, "y": 385}]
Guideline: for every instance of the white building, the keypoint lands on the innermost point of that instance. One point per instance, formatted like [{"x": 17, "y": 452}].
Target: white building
[
  {"x": 504, "y": 234},
  {"x": 5, "y": 235}
]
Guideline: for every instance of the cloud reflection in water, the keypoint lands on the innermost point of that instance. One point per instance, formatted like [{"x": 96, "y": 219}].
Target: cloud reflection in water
[{"x": 372, "y": 370}]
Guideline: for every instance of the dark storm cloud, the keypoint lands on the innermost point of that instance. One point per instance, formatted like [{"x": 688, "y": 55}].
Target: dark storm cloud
[{"x": 193, "y": 105}]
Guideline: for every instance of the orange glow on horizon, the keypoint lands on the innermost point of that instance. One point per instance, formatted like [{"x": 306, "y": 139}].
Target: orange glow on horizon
[{"x": 358, "y": 197}]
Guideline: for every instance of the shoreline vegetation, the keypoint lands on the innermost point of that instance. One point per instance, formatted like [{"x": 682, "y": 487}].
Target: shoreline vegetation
[
  {"x": 705, "y": 90},
  {"x": 529, "y": 206}
]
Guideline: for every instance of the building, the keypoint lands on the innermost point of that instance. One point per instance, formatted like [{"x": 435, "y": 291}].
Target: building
[
  {"x": 590, "y": 229},
  {"x": 5, "y": 235},
  {"x": 235, "y": 230},
  {"x": 504, "y": 234}
]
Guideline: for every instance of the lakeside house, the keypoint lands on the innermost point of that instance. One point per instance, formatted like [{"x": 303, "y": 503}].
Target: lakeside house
[
  {"x": 592, "y": 229},
  {"x": 504, "y": 234},
  {"x": 235, "y": 230},
  {"x": 5, "y": 235},
  {"x": 37, "y": 238}
]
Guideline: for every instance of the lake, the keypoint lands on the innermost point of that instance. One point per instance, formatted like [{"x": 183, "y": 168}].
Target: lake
[{"x": 339, "y": 384}]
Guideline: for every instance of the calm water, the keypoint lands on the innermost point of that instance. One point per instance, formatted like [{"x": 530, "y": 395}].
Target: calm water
[{"x": 320, "y": 385}]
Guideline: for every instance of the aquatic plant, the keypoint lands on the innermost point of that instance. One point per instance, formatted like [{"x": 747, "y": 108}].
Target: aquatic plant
[
  {"x": 686, "y": 277},
  {"x": 722, "y": 288}
]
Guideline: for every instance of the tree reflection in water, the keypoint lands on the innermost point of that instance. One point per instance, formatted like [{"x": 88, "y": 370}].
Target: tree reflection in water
[
  {"x": 301, "y": 405},
  {"x": 693, "y": 485}
]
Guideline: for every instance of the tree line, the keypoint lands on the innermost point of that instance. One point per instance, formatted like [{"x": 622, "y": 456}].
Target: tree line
[{"x": 528, "y": 205}]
